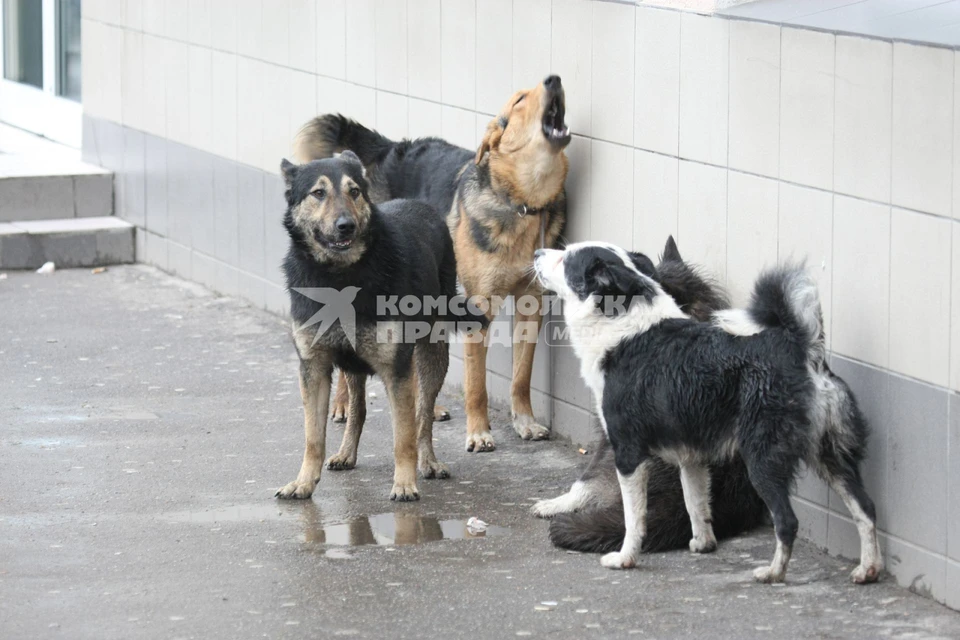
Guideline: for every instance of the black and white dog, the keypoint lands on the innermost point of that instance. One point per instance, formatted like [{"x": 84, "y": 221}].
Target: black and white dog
[{"x": 754, "y": 381}]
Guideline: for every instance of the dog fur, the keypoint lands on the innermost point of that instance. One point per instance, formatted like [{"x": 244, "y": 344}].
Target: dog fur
[
  {"x": 589, "y": 517},
  {"x": 497, "y": 202},
  {"x": 693, "y": 393},
  {"x": 340, "y": 240}
]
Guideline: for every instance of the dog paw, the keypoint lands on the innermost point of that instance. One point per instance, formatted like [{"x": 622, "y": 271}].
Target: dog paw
[
  {"x": 404, "y": 492},
  {"x": 767, "y": 575},
  {"x": 341, "y": 462},
  {"x": 338, "y": 413},
  {"x": 483, "y": 441},
  {"x": 865, "y": 575},
  {"x": 617, "y": 560},
  {"x": 296, "y": 490},
  {"x": 528, "y": 428},
  {"x": 703, "y": 544},
  {"x": 440, "y": 414},
  {"x": 430, "y": 469},
  {"x": 551, "y": 507}
]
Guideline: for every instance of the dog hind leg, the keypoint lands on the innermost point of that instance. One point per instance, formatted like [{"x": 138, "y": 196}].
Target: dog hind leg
[
  {"x": 775, "y": 492},
  {"x": 634, "y": 489},
  {"x": 695, "y": 479},
  {"x": 479, "y": 437},
  {"x": 432, "y": 360},
  {"x": 340, "y": 405},
  {"x": 346, "y": 457}
]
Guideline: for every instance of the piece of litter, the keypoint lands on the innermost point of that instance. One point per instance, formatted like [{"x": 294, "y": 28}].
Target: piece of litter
[
  {"x": 582, "y": 451},
  {"x": 372, "y": 394},
  {"x": 99, "y": 270},
  {"x": 47, "y": 268},
  {"x": 549, "y": 603},
  {"x": 476, "y": 525},
  {"x": 540, "y": 607},
  {"x": 3, "y": 276}
]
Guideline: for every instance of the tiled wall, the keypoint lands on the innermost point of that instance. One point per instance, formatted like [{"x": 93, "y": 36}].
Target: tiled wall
[{"x": 749, "y": 142}]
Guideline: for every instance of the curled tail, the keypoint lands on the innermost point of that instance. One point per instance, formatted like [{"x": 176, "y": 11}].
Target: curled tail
[
  {"x": 326, "y": 135},
  {"x": 787, "y": 297}
]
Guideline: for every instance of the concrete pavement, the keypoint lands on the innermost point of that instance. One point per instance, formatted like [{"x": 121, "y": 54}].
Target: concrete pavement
[{"x": 146, "y": 423}]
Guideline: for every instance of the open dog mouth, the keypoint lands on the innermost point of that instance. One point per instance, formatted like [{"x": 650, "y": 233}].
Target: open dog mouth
[
  {"x": 554, "y": 128},
  {"x": 340, "y": 244}
]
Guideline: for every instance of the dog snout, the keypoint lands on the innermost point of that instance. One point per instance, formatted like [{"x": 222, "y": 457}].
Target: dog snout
[
  {"x": 539, "y": 253},
  {"x": 552, "y": 82},
  {"x": 346, "y": 225}
]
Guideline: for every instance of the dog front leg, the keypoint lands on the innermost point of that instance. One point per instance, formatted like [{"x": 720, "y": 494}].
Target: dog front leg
[
  {"x": 633, "y": 488},
  {"x": 315, "y": 382},
  {"x": 346, "y": 457},
  {"x": 479, "y": 437},
  {"x": 525, "y": 332},
  {"x": 403, "y": 405}
]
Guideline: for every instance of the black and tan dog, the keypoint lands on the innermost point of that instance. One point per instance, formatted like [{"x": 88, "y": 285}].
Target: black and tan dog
[
  {"x": 501, "y": 203},
  {"x": 345, "y": 254}
]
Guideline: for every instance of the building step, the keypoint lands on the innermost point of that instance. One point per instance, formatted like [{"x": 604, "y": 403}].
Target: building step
[
  {"x": 51, "y": 188},
  {"x": 70, "y": 242}
]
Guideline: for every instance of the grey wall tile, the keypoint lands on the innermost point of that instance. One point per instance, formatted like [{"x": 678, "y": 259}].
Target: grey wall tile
[
  {"x": 228, "y": 279},
  {"x": 500, "y": 352},
  {"x": 811, "y": 487},
  {"x": 276, "y": 240},
  {"x": 155, "y": 182},
  {"x": 250, "y": 227},
  {"x": 116, "y": 246},
  {"x": 575, "y": 424},
  {"x": 869, "y": 385},
  {"x": 131, "y": 183},
  {"x": 156, "y": 250},
  {"x": 110, "y": 145},
  {"x": 842, "y": 537},
  {"x": 813, "y": 523},
  {"x": 918, "y": 570},
  {"x": 203, "y": 269},
  {"x": 915, "y": 499},
  {"x": 276, "y": 299},
  {"x": 567, "y": 382},
  {"x": 140, "y": 254},
  {"x": 179, "y": 192},
  {"x": 953, "y": 585},
  {"x": 251, "y": 288},
  {"x": 89, "y": 152},
  {"x": 93, "y": 195},
  {"x": 200, "y": 201},
  {"x": 953, "y": 509},
  {"x": 225, "y": 210},
  {"x": 180, "y": 259}
]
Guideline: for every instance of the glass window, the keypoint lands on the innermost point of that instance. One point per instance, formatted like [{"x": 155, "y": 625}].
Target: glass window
[
  {"x": 68, "y": 49},
  {"x": 23, "y": 41}
]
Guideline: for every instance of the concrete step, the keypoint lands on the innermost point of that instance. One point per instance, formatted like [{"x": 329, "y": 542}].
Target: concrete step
[
  {"x": 52, "y": 187},
  {"x": 71, "y": 242}
]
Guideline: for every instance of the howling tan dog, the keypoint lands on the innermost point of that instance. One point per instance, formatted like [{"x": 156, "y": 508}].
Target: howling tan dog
[{"x": 501, "y": 203}]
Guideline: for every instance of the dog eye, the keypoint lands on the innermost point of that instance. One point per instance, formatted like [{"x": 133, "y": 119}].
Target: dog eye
[
  {"x": 520, "y": 99},
  {"x": 319, "y": 194},
  {"x": 354, "y": 193}
]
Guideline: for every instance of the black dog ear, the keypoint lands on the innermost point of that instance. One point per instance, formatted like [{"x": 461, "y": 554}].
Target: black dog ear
[
  {"x": 670, "y": 251},
  {"x": 289, "y": 171},
  {"x": 353, "y": 159},
  {"x": 620, "y": 287},
  {"x": 643, "y": 264}
]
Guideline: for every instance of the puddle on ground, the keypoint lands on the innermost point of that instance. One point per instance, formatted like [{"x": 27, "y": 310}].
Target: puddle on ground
[{"x": 388, "y": 529}]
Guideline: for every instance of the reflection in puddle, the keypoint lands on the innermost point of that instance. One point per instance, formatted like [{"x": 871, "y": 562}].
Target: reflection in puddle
[
  {"x": 394, "y": 529},
  {"x": 381, "y": 529}
]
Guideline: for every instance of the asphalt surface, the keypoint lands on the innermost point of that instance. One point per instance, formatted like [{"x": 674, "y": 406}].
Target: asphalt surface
[{"x": 146, "y": 423}]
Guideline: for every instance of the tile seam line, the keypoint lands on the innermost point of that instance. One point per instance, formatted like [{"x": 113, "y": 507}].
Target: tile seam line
[
  {"x": 720, "y": 16},
  {"x": 893, "y": 536},
  {"x": 892, "y": 205}
]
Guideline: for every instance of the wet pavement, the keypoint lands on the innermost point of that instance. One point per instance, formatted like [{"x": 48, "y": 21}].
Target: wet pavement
[{"x": 146, "y": 423}]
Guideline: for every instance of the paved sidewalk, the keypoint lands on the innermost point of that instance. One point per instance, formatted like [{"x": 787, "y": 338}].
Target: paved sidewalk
[{"x": 146, "y": 423}]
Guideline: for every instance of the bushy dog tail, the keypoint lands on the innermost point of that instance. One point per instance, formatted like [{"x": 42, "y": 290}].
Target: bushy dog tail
[
  {"x": 332, "y": 133},
  {"x": 787, "y": 297},
  {"x": 598, "y": 531}
]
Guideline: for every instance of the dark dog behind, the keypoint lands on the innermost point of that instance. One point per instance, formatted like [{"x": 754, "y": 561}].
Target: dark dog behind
[{"x": 589, "y": 517}]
